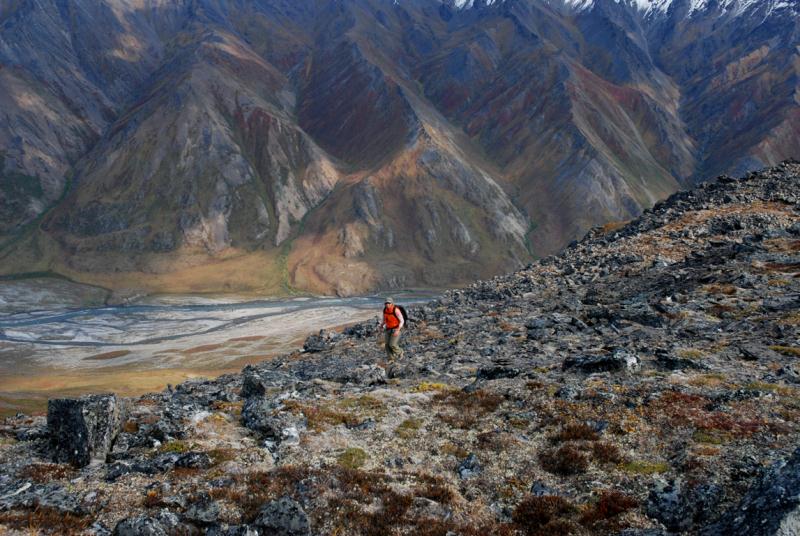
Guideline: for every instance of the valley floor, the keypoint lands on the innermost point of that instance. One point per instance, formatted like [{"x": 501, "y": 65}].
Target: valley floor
[{"x": 60, "y": 339}]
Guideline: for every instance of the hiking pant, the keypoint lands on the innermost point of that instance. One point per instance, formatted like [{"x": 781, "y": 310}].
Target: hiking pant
[{"x": 393, "y": 350}]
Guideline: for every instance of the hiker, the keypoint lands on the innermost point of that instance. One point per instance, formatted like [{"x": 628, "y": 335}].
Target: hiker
[{"x": 393, "y": 322}]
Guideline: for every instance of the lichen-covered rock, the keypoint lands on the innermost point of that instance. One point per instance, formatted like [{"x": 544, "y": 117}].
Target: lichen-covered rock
[
  {"x": 283, "y": 517},
  {"x": 194, "y": 460},
  {"x": 51, "y": 496},
  {"x": 617, "y": 361},
  {"x": 236, "y": 530},
  {"x": 681, "y": 507},
  {"x": 366, "y": 375},
  {"x": 164, "y": 523},
  {"x": 770, "y": 508},
  {"x": 321, "y": 342},
  {"x": 469, "y": 467},
  {"x": 257, "y": 415},
  {"x": 83, "y": 429},
  {"x": 202, "y": 510},
  {"x": 252, "y": 383}
]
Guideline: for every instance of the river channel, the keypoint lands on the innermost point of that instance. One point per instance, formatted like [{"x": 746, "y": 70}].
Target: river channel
[{"x": 58, "y": 338}]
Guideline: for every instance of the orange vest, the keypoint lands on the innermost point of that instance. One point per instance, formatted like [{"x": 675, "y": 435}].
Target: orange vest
[{"x": 390, "y": 317}]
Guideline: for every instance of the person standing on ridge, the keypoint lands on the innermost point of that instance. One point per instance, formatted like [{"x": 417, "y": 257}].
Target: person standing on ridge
[{"x": 393, "y": 322}]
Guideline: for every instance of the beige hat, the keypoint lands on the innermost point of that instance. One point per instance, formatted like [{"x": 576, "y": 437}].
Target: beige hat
[{"x": 388, "y": 300}]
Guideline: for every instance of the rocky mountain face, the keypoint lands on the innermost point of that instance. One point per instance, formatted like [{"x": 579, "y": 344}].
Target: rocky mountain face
[
  {"x": 341, "y": 146},
  {"x": 643, "y": 382}
]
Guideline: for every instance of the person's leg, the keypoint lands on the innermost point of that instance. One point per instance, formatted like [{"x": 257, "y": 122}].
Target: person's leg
[
  {"x": 387, "y": 338},
  {"x": 394, "y": 345}
]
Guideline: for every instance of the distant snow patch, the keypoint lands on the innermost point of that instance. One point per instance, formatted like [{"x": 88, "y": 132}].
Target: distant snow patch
[{"x": 653, "y": 7}]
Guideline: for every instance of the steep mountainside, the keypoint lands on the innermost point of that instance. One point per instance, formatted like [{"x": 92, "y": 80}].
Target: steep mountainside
[
  {"x": 643, "y": 382},
  {"x": 340, "y": 146}
]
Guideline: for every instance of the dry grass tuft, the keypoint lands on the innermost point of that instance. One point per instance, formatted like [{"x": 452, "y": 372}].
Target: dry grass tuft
[
  {"x": 408, "y": 428},
  {"x": 466, "y": 408},
  {"x": 43, "y": 520},
  {"x": 130, "y": 427},
  {"x": 177, "y": 446},
  {"x": 790, "y": 351},
  {"x": 426, "y": 387},
  {"x": 319, "y": 418},
  {"x": 436, "y": 491},
  {"x": 352, "y": 458}
]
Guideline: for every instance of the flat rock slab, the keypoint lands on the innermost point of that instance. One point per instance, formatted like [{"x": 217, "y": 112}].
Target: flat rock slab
[{"x": 83, "y": 429}]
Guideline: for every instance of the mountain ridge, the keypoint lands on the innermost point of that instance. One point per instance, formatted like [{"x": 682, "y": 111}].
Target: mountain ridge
[{"x": 200, "y": 133}]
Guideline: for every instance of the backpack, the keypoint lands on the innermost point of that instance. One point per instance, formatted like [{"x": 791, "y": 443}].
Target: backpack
[{"x": 404, "y": 313}]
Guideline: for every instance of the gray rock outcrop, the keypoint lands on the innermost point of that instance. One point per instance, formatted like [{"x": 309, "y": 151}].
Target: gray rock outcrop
[
  {"x": 83, "y": 429},
  {"x": 770, "y": 508},
  {"x": 283, "y": 517}
]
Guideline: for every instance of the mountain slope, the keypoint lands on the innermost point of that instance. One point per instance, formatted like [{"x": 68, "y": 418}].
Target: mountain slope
[{"x": 346, "y": 146}]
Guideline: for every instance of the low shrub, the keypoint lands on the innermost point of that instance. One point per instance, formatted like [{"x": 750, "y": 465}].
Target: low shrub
[
  {"x": 611, "y": 504},
  {"x": 576, "y": 432},
  {"x": 604, "y": 452},
  {"x": 566, "y": 460},
  {"x": 534, "y": 513}
]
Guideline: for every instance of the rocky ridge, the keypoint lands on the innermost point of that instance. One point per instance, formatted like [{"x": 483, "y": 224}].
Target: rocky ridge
[{"x": 645, "y": 381}]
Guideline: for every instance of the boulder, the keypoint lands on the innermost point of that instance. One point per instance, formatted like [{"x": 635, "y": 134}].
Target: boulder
[
  {"x": 146, "y": 466},
  {"x": 82, "y": 430},
  {"x": 321, "y": 342},
  {"x": 568, "y": 392},
  {"x": 619, "y": 360},
  {"x": 30, "y": 496},
  {"x": 494, "y": 372},
  {"x": 257, "y": 415},
  {"x": 469, "y": 467},
  {"x": 252, "y": 383},
  {"x": 363, "y": 330},
  {"x": 139, "y": 526},
  {"x": 670, "y": 361},
  {"x": 202, "y": 510},
  {"x": 283, "y": 517},
  {"x": 365, "y": 375},
  {"x": 754, "y": 352},
  {"x": 540, "y": 489},
  {"x": 194, "y": 460}
]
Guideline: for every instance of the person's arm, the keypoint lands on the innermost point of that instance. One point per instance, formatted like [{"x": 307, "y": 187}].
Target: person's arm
[{"x": 400, "y": 318}]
